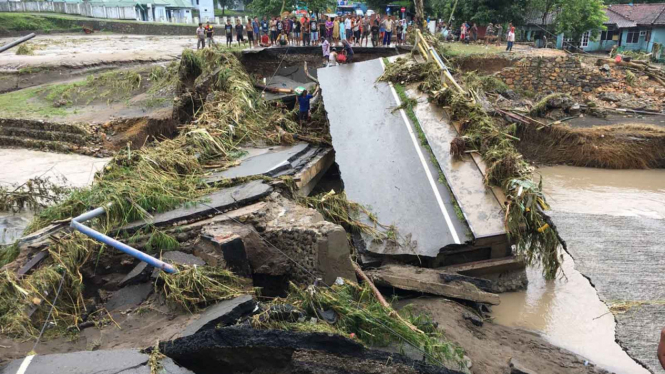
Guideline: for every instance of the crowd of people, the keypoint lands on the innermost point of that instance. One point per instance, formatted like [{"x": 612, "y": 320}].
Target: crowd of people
[
  {"x": 468, "y": 32},
  {"x": 305, "y": 30}
]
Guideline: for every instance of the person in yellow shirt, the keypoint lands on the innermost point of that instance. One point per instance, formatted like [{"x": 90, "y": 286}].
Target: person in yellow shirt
[{"x": 335, "y": 34}]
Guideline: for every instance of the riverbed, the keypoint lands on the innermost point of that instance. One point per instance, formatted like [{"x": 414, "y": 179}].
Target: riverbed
[{"x": 568, "y": 311}]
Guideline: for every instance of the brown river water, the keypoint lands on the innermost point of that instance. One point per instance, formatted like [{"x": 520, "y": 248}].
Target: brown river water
[{"x": 568, "y": 312}]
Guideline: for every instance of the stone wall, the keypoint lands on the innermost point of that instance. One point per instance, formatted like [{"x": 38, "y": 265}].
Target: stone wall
[{"x": 553, "y": 74}]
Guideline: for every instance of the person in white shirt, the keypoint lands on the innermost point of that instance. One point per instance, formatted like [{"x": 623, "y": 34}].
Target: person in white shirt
[
  {"x": 332, "y": 60},
  {"x": 201, "y": 37},
  {"x": 325, "y": 46},
  {"x": 511, "y": 38},
  {"x": 347, "y": 27},
  {"x": 388, "y": 33}
]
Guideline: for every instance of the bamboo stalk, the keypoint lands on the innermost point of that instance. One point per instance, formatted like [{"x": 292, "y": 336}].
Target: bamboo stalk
[{"x": 382, "y": 300}]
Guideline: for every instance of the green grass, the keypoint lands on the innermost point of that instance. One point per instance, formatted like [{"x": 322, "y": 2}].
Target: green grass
[
  {"x": 461, "y": 49},
  {"x": 47, "y": 22},
  {"x": 26, "y": 103}
]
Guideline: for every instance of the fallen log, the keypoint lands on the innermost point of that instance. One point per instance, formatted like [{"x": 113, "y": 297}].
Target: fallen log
[{"x": 411, "y": 278}]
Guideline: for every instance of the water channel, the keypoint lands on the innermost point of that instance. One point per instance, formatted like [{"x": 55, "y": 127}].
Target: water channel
[{"x": 568, "y": 311}]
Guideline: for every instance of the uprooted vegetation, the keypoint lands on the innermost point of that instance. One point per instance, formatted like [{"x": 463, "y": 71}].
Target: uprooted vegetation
[
  {"x": 536, "y": 241},
  {"x": 221, "y": 111}
]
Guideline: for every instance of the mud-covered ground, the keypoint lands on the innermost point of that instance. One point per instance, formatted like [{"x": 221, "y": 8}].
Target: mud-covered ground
[{"x": 80, "y": 50}]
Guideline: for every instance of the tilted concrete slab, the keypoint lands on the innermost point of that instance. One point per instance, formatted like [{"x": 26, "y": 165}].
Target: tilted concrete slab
[
  {"x": 382, "y": 164},
  {"x": 125, "y": 361},
  {"x": 221, "y": 200},
  {"x": 262, "y": 161},
  {"x": 482, "y": 210},
  {"x": 224, "y": 313}
]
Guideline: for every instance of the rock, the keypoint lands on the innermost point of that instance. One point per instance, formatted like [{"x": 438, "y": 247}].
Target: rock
[
  {"x": 140, "y": 274},
  {"x": 424, "y": 280},
  {"x": 518, "y": 368},
  {"x": 473, "y": 318},
  {"x": 611, "y": 97},
  {"x": 126, "y": 361},
  {"x": 129, "y": 297},
  {"x": 575, "y": 109},
  {"x": 224, "y": 313},
  {"x": 605, "y": 68}
]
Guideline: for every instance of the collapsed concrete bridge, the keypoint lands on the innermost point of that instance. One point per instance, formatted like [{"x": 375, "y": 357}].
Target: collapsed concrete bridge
[{"x": 438, "y": 204}]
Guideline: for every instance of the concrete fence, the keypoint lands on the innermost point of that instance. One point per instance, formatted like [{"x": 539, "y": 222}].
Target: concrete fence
[
  {"x": 83, "y": 9},
  {"x": 100, "y": 11}
]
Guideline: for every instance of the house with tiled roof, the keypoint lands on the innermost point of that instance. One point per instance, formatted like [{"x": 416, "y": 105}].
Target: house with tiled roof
[{"x": 629, "y": 26}]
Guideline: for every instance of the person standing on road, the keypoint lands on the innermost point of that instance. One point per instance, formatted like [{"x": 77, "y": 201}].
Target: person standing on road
[
  {"x": 388, "y": 26},
  {"x": 273, "y": 31},
  {"x": 256, "y": 30},
  {"x": 239, "y": 32},
  {"x": 510, "y": 38},
  {"x": 335, "y": 31},
  {"x": 489, "y": 33},
  {"x": 200, "y": 37},
  {"x": 265, "y": 26},
  {"x": 499, "y": 34},
  {"x": 305, "y": 32},
  {"x": 297, "y": 26},
  {"x": 342, "y": 30},
  {"x": 375, "y": 33},
  {"x": 329, "y": 28},
  {"x": 228, "y": 29},
  {"x": 356, "y": 31},
  {"x": 347, "y": 27},
  {"x": 474, "y": 32},
  {"x": 314, "y": 31},
  {"x": 365, "y": 31},
  {"x": 209, "y": 34},
  {"x": 322, "y": 29}
]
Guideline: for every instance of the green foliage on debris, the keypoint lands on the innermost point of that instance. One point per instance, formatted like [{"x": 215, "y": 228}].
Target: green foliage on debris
[
  {"x": 19, "y": 295},
  {"x": 161, "y": 241},
  {"x": 33, "y": 195},
  {"x": 535, "y": 240},
  {"x": 487, "y": 83},
  {"x": 8, "y": 254},
  {"x": 195, "y": 287},
  {"x": 361, "y": 316},
  {"x": 541, "y": 107},
  {"x": 25, "y": 49}
]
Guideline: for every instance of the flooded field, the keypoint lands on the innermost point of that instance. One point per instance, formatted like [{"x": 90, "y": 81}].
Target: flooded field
[{"x": 568, "y": 311}]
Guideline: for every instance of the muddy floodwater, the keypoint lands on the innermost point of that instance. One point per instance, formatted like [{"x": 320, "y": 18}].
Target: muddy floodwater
[
  {"x": 19, "y": 165},
  {"x": 568, "y": 311}
]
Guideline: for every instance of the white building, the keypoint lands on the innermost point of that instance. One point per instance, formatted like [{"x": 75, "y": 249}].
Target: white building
[{"x": 206, "y": 9}]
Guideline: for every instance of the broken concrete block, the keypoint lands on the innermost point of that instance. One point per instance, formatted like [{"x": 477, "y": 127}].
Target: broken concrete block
[
  {"x": 483, "y": 284},
  {"x": 218, "y": 201},
  {"x": 226, "y": 245},
  {"x": 126, "y": 361},
  {"x": 223, "y": 313},
  {"x": 413, "y": 278},
  {"x": 129, "y": 297},
  {"x": 140, "y": 274}
]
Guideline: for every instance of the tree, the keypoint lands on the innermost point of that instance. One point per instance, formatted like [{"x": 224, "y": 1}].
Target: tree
[
  {"x": 575, "y": 17},
  {"x": 276, "y": 7},
  {"x": 481, "y": 11}
]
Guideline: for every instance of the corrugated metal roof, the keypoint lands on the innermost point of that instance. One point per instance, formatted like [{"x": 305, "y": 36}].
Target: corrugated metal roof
[{"x": 640, "y": 14}]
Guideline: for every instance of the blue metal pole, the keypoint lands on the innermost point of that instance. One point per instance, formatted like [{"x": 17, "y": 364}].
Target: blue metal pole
[{"x": 116, "y": 244}]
